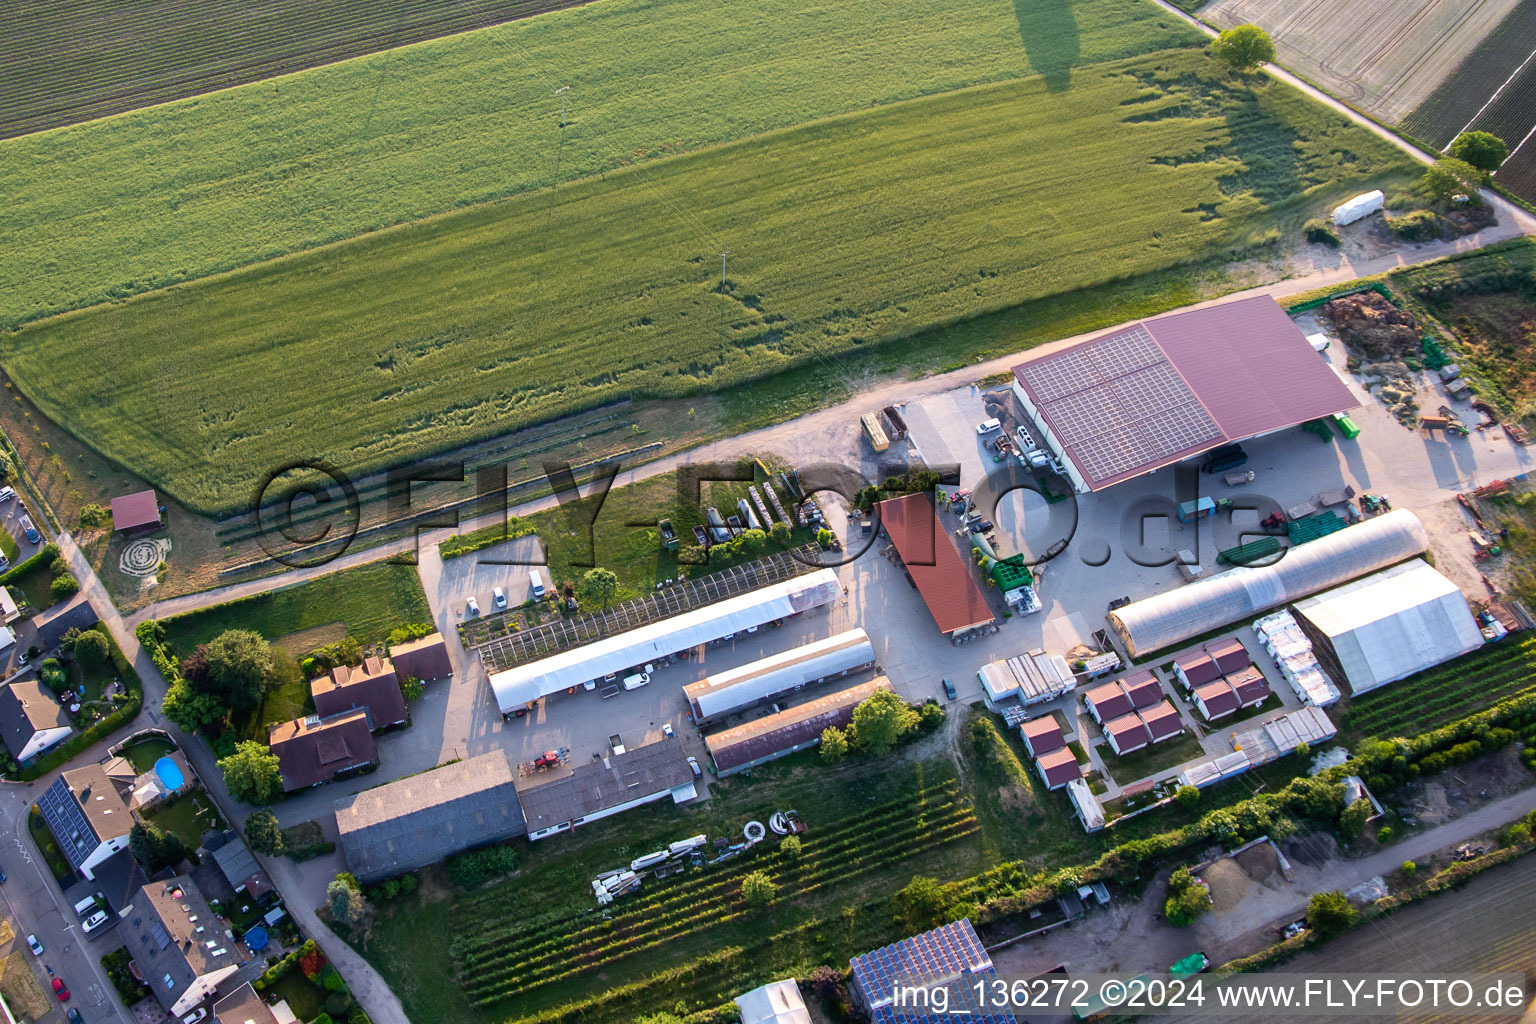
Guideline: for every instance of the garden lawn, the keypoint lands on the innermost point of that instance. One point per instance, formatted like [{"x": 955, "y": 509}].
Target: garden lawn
[
  {"x": 1150, "y": 760},
  {"x": 203, "y": 185},
  {"x": 54, "y": 857},
  {"x": 189, "y": 817},
  {"x": 143, "y": 754},
  {"x": 8, "y": 547},
  {"x": 304, "y": 997},
  {"x": 845, "y": 233},
  {"x": 370, "y": 599}
]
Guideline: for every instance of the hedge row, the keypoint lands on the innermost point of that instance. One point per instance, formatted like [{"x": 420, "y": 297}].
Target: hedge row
[{"x": 44, "y": 556}]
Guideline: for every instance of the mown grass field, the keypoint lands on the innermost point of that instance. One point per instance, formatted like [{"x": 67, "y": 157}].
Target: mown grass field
[
  {"x": 370, "y": 600},
  {"x": 845, "y": 233},
  {"x": 118, "y": 206},
  {"x": 67, "y": 61}
]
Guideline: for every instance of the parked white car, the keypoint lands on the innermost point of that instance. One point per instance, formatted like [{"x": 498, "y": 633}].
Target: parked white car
[
  {"x": 35, "y": 946},
  {"x": 95, "y": 921},
  {"x": 473, "y": 608},
  {"x": 498, "y": 597}
]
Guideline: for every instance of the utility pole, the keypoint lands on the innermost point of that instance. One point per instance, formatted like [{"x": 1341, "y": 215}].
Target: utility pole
[
  {"x": 723, "y": 255},
  {"x": 561, "y": 93}
]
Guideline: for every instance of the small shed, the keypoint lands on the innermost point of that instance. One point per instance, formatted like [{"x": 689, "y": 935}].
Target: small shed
[{"x": 139, "y": 511}]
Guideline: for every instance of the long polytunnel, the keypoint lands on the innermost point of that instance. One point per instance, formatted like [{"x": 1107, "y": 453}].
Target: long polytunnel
[{"x": 1205, "y": 605}]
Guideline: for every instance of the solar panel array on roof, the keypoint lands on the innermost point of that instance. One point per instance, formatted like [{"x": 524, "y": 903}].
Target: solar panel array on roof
[
  {"x": 1119, "y": 404},
  {"x": 945, "y": 952}
]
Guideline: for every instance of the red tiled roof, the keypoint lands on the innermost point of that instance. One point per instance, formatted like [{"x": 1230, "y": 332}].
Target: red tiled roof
[
  {"x": 1108, "y": 701},
  {"x": 1218, "y": 698},
  {"x": 1059, "y": 767},
  {"x": 1128, "y": 733},
  {"x": 1199, "y": 668},
  {"x": 1218, "y": 374},
  {"x": 1162, "y": 721},
  {"x": 1229, "y": 655},
  {"x": 942, "y": 576},
  {"x": 1042, "y": 735},
  {"x": 131, "y": 511},
  {"x": 1250, "y": 686}
]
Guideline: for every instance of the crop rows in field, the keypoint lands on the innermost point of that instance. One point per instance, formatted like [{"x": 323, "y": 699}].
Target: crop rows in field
[
  {"x": 845, "y": 233},
  {"x": 1457, "y": 100},
  {"x": 500, "y": 956},
  {"x": 1519, "y": 172},
  {"x": 66, "y": 61},
  {"x": 1449, "y": 691}
]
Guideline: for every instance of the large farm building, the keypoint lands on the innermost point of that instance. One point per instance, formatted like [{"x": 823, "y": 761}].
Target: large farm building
[{"x": 1159, "y": 391}]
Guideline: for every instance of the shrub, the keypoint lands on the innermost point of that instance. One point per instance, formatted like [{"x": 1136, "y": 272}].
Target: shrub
[
  {"x": 1320, "y": 232},
  {"x": 64, "y": 585},
  {"x": 791, "y": 848},
  {"x": 1409, "y": 867},
  {"x": 51, "y": 672},
  {"x": 322, "y": 1018},
  {"x": 1188, "y": 797},
  {"x": 358, "y": 1015},
  {"x": 1384, "y": 834},
  {"x": 475, "y": 868},
  {"x": 922, "y": 902},
  {"x": 834, "y": 744},
  {"x": 311, "y": 960},
  {"x": 1187, "y": 899},
  {"x": 92, "y": 514},
  {"x": 338, "y": 1003},
  {"x": 758, "y": 889},
  {"x": 264, "y": 834},
  {"x": 408, "y": 884},
  {"x": 390, "y": 889},
  {"x": 331, "y": 979},
  {"x": 1417, "y": 226},
  {"x": 827, "y": 983},
  {"x": 1329, "y": 913}
]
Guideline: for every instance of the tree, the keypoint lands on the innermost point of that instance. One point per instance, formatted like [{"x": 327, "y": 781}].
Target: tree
[
  {"x": 1450, "y": 177},
  {"x": 922, "y": 901},
  {"x": 1188, "y": 797},
  {"x": 824, "y": 538},
  {"x": 189, "y": 709},
  {"x": 1243, "y": 47},
  {"x": 263, "y": 834},
  {"x": 834, "y": 744},
  {"x": 1303, "y": 750},
  {"x": 1187, "y": 899},
  {"x": 344, "y": 899},
  {"x": 758, "y": 889},
  {"x": 1482, "y": 150},
  {"x": 52, "y": 674},
  {"x": 92, "y": 514},
  {"x": 239, "y": 667},
  {"x": 411, "y": 631},
  {"x": 63, "y": 585},
  {"x": 791, "y": 847},
  {"x": 1354, "y": 817},
  {"x": 91, "y": 648},
  {"x": 1329, "y": 913},
  {"x": 881, "y": 720},
  {"x": 779, "y": 533},
  {"x": 751, "y": 542},
  {"x": 599, "y": 585},
  {"x": 252, "y": 774},
  {"x": 154, "y": 847},
  {"x": 411, "y": 688}
]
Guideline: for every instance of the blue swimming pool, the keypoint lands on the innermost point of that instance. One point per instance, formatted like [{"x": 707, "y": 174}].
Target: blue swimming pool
[{"x": 170, "y": 774}]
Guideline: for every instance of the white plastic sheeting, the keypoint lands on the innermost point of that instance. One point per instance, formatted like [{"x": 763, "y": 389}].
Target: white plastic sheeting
[
  {"x": 1392, "y": 624},
  {"x": 1209, "y": 604},
  {"x": 1089, "y": 811},
  {"x": 1292, "y": 651},
  {"x": 1032, "y": 678},
  {"x": 1359, "y": 207},
  {"x": 1279, "y": 736},
  {"x": 741, "y": 687},
  {"x": 523, "y": 683}
]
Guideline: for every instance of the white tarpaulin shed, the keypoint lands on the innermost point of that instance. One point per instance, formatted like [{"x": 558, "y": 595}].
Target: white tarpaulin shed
[
  {"x": 1391, "y": 624},
  {"x": 517, "y": 686},
  {"x": 1359, "y": 207},
  {"x": 1207, "y": 605},
  {"x": 746, "y": 685},
  {"x": 778, "y": 1002}
]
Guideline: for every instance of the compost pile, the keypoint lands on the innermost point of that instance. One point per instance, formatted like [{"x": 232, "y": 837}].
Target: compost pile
[
  {"x": 1382, "y": 338},
  {"x": 1374, "y": 328}
]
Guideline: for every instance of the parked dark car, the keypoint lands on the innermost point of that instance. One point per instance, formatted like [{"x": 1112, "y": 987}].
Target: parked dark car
[{"x": 949, "y": 690}]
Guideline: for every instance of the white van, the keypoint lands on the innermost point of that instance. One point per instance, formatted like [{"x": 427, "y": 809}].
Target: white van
[
  {"x": 89, "y": 905},
  {"x": 637, "y": 680},
  {"x": 987, "y": 426},
  {"x": 537, "y": 583}
]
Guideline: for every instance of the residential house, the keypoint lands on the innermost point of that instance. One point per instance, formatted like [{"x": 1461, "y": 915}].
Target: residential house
[
  {"x": 1215, "y": 700},
  {"x": 1162, "y": 721},
  {"x": 1126, "y": 734},
  {"x": 421, "y": 819},
  {"x": 1195, "y": 669},
  {"x": 1229, "y": 655},
  {"x": 180, "y": 948},
  {"x": 1142, "y": 689},
  {"x": 1042, "y": 735},
  {"x": 9, "y": 612},
  {"x": 238, "y": 865},
  {"x": 52, "y": 624},
  {"x": 1107, "y": 701},
  {"x": 88, "y": 816},
  {"x": 243, "y": 1006},
  {"x": 31, "y": 720},
  {"x": 315, "y": 750},
  {"x": 1250, "y": 686},
  {"x": 372, "y": 685},
  {"x": 1058, "y": 768}
]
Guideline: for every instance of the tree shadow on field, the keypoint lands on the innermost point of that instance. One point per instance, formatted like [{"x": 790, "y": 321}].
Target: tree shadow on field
[
  {"x": 1050, "y": 39},
  {"x": 1267, "y": 145}
]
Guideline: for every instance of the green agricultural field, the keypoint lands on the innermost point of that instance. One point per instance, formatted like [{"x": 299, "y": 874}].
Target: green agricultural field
[
  {"x": 129, "y": 203},
  {"x": 67, "y": 61},
  {"x": 1447, "y": 692},
  {"x": 370, "y": 600},
  {"x": 845, "y": 232}
]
